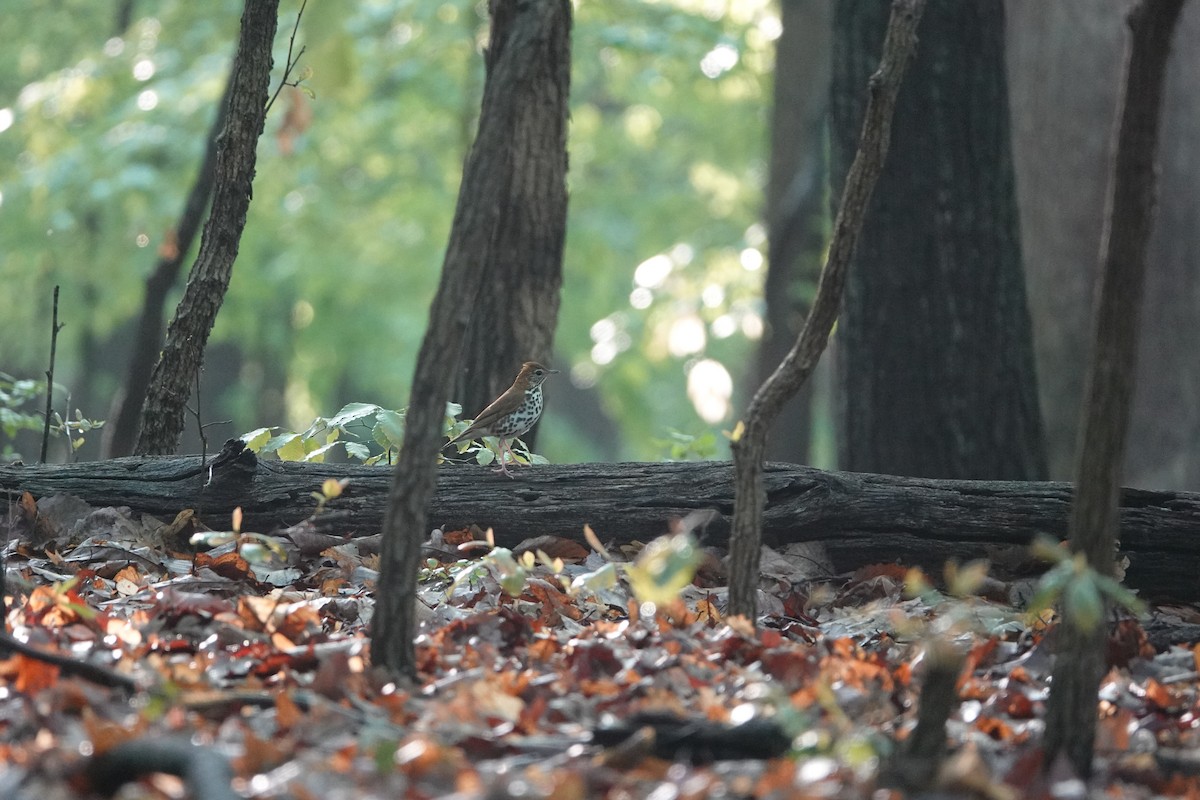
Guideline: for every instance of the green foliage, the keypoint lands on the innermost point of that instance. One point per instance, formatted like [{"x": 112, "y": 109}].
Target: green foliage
[
  {"x": 688, "y": 447},
  {"x": 663, "y": 568},
  {"x": 17, "y": 410},
  {"x": 21, "y": 411},
  {"x": 371, "y": 434},
  {"x": 1082, "y": 592}
]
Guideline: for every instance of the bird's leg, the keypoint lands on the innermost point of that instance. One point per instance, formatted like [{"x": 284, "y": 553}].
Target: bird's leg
[{"x": 503, "y": 468}]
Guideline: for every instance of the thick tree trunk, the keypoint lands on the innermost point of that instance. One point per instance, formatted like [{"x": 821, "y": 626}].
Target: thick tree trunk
[
  {"x": 1164, "y": 437},
  {"x": 935, "y": 350},
  {"x": 860, "y": 518},
  {"x": 1064, "y": 71},
  {"x": 513, "y": 318},
  {"x": 1064, "y": 66},
  {"x": 177, "y": 367},
  {"x": 528, "y": 61}
]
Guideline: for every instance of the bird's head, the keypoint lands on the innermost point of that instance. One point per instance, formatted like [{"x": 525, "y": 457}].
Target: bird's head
[{"x": 532, "y": 374}]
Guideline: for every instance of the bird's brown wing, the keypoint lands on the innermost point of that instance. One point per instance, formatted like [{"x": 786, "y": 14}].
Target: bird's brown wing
[{"x": 502, "y": 406}]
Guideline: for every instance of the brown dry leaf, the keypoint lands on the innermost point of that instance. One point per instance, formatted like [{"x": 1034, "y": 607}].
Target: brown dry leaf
[
  {"x": 553, "y": 547},
  {"x": 105, "y": 735},
  {"x": 33, "y": 676},
  {"x": 966, "y": 772},
  {"x": 259, "y": 755},
  {"x": 287, "y": 714},
  {"x": 231, "y": 566}
]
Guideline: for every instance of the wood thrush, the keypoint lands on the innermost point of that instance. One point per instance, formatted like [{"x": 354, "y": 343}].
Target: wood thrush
[{"x": 511, "y": 414}]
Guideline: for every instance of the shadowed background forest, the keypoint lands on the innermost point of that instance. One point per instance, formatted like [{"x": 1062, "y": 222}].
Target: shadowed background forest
[{"x": 104, "y": 109}]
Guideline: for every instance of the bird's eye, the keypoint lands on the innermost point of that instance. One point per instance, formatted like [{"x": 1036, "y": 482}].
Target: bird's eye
[{"x": 537, "y": 372}]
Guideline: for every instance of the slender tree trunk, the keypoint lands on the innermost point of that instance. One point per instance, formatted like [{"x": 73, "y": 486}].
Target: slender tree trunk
[
  {"x": 936, "y": 360},
  {"x": 512, "y": 320},
  {"x": 1079, "y": 662},
  {"x": 796, "y": 203},
  {"x": 528, "y": 71},
  {"x": 749, "y": 438},
  {"x": 120, "y": 434},
  {"x": 177, "y": 367}
]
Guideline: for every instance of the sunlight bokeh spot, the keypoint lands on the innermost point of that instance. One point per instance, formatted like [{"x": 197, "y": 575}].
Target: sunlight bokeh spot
[
  {"x": 719, "y": 60},
  {"x": 682, "y": 254},
  {"x": 143, "y": 69},
  {"x": 751, "y": 259},
  {"x": 724, "y": 326},
  {"x": 604, "y": 352},
  {"x": 709, "y": 387},
  {"x": 653, "y": 271},
  {"x": 293, "y": 201},
  {"x": 603, "y": 330},
  {"x": 713, "y": 295},
  {"x": 147, "y": 100},
  {"x": 752, "y": 326},
  {"x": 755, "y": 235},
  {"x": 584, "y": 375},
  {"x": 641, "y": 298},
  {"x": 687, "y": 336},
  {"x": 6, "y": 119},
  {"x": 641, "y": 124},
  {"x": 303, "y": 314}
]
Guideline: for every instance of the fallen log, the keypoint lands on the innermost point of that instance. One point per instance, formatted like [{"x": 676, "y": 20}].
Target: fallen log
[{"x": 860, "y": 518}]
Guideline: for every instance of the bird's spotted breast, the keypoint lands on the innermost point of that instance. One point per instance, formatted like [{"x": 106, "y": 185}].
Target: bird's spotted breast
[{"x": 521, "y": 420}]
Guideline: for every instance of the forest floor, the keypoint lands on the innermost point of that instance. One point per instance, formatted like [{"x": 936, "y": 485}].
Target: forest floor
[{"x": 572, "y": 688}]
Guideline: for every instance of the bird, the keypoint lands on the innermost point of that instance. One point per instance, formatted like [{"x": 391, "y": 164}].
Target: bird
[{"x": 511, "y": 414}]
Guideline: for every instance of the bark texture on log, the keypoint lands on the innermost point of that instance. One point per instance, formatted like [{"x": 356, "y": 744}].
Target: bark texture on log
[{"x": 861, "y": 518}]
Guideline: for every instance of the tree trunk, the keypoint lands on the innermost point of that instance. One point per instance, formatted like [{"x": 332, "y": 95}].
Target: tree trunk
[
  {"x": 748, "y": 441},
  {"x": 528, "y": 66},
  {"x": 512, "y": 320},
  {"x": 936, "y": 361},
  {"x": 1064, "y": 66},
  {"x": 1079, "y": 662},
  {"x": 796, "y": 209},
  {"x": 1064, "y": 71},
  {"x": 179, "y": 363},
  {"x": 1164, "y": 437}
]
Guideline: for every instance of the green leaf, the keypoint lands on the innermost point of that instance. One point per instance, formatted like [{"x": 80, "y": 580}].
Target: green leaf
[
  {"x": 663, "y": 568},
  {"x": 318, "y": 456},
  {"x": 358, "y": 450},
  {"x": 318, "y": 425},
  {"x": 294, "y": 449},
  {"x": 1083, "y": 606},
  {"x": 603, "y": 578},
  {"x": 352, "y": 412},
  {"x": 485, "y": 456},
  {"x": 211, "y": 538},
  {"x": 390, "y": 426},
  {"x": 277, "y": 443}
]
